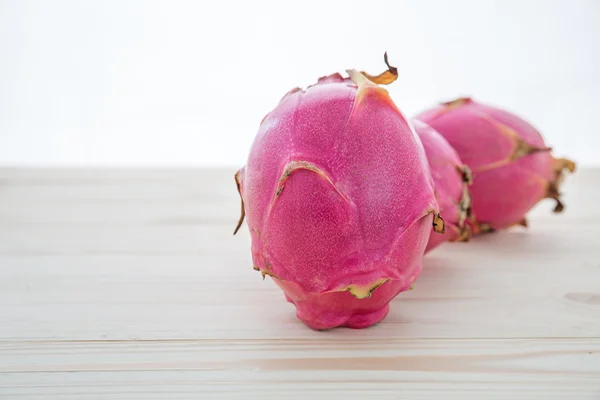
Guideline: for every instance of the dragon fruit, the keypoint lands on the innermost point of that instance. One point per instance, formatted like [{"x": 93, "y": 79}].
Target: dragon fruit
[
  {"x": 513, "y": 169},
  {"x": 452, "y": 179},
  {"x": 339, "y": 200}
]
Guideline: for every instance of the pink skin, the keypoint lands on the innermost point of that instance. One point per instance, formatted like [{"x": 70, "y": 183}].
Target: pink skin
[
  {"x": 505, "y": 185},
  {"x": 450, "y": 186},
  {"x": 339, "y": 201}
]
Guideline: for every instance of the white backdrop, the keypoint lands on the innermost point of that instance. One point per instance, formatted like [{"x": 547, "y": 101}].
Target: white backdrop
[{"x": 187, "y": 82}]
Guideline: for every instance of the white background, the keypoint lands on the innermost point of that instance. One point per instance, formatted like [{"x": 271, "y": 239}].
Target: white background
[{"x": 187, "y": 82}]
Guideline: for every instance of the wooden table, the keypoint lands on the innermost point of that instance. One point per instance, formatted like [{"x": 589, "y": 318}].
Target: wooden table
[{"x": 128, "y": 284}]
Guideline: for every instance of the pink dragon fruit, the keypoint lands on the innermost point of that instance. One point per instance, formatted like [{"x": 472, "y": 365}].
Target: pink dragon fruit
[
  {"x": 339, "y": 200},
  {"x": 512, "y": 167},
  {"x": 452, "y": 179}
]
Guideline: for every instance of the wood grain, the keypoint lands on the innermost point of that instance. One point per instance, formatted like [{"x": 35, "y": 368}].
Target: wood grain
[{"x": 128, "y": 284}]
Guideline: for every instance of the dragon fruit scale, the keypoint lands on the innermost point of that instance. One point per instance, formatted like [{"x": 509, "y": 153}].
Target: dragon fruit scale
[
  {"x": 338, "y": 200},
  {"x": 452, "y": 179},
  {"x": 512, "y": 168}
]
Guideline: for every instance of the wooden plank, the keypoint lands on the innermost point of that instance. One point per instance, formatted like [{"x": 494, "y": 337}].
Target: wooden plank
[
  {"x": 151, "y": 293},
  {"x": 239, "y": 368},
  {"x": 203, "y": 198},
  {"x": 118, "y": 239},
  {"x": 170, "y": 197}
]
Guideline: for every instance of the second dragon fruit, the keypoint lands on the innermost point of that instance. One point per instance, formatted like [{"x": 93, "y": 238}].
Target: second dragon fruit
[{"x": 452, "y": 179}]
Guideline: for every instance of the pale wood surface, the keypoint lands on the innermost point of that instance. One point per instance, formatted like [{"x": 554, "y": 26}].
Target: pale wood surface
[{"x": 123, "y": 284}]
